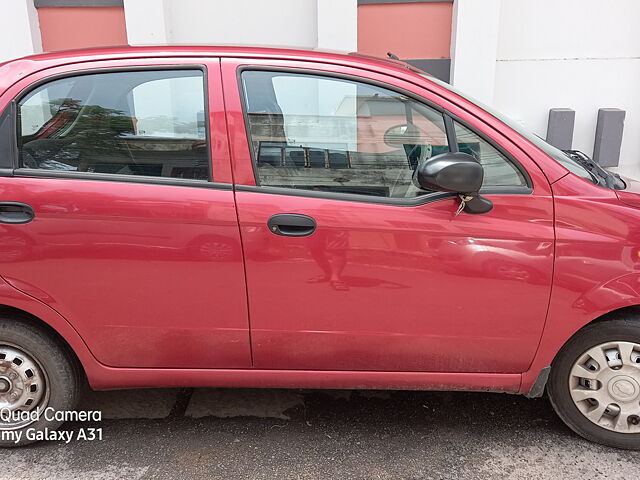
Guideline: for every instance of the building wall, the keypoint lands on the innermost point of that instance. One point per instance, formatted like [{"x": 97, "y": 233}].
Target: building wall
[
  {"x": 20, "y": 32},
  {"x": 63, "y": 28},
  {"x": 416, "y": 31},
  {"x": 294, "y": 23},
  {"x": 410, "y": 30},
  {"x": 580, "y": 54}
]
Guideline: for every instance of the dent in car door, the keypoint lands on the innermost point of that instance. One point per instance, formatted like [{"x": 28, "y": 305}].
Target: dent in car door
[{"x": 131, "y": 241}]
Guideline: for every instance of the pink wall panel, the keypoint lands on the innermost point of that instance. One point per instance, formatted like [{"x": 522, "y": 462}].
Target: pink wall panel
[
  {"x": 410, "y": 30},
  {"x": 78, "y": 27}
]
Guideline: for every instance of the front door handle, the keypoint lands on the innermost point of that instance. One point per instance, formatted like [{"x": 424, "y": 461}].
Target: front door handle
[
  {"x": 292, "y": 225},
  {"x": 16, "y": 212}
]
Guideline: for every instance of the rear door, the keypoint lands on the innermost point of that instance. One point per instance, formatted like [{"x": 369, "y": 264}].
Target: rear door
[
  {"x": 349, "y": 265},
  {"x": 135, "y": 237}
]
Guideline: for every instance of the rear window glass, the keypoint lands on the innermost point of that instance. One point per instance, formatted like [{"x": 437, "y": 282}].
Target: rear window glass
[{"x": 146, "y": 123}]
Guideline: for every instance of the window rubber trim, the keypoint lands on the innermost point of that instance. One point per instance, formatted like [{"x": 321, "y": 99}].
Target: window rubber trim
[
  {"x": 427, "y": 198},
  {"x": 8, "y": 140},
  {"x": 18, "y": 170},
  {"x": 396, "y": 202},
  {"x": 115, "y": 177},
  {"x": 451, "y": 133}
]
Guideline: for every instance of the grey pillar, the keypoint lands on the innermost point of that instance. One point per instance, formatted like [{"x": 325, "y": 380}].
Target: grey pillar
[
  {"x": 560, "y": 127},
  {"x": 609, "y": 128}
]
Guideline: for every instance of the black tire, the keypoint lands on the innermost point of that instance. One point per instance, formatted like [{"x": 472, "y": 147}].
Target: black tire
[
  {"x": 624, "y": 328},
  {"x": 62, "y": 372}
]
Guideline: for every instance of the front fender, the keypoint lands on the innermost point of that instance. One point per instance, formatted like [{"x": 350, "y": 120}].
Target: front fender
[
  {"x": 620, "y": 292},
  {"x": 565, "y": 318}
]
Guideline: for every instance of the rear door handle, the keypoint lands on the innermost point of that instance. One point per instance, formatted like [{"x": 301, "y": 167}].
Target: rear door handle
[
  {"x": 292, "y": 225},
  {"x": 16, "y": 212}
]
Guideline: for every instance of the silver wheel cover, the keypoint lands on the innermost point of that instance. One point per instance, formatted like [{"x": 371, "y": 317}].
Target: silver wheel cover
[
  {"x": 23, "y": 386},
  {"x": 605, "y": 386}
]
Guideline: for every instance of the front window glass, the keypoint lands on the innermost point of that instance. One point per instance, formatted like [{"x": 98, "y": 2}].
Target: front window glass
[
  {"x": 498, "y": 170},
  {"x": 555, "y": 153},
  {"x": 149, "y": 123},
  {"x": 320, "y": 133}
]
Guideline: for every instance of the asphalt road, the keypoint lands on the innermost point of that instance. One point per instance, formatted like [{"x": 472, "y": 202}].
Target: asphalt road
[{"x": 267, "y": 434}]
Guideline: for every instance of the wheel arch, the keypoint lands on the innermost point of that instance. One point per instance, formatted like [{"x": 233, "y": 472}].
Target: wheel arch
[
  {"x": 26, "y": 317},
  {"x": 612, "y": 315},
  {"x": 626, "y": 311},
  {"x": 534, "y": 381},
  {"x": 28, "y": 309}
]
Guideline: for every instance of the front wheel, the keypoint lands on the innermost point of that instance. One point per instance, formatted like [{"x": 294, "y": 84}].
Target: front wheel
[
  {"x": 36, "y": 374},
  {"x": 595, "y": 383}
]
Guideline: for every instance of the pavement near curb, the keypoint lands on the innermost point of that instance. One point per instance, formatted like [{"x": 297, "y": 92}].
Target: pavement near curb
[{"x": 308, "y": 434}]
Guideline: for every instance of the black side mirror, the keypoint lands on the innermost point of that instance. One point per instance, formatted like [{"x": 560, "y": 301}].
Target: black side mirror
[{"x": 457, "y": 173}]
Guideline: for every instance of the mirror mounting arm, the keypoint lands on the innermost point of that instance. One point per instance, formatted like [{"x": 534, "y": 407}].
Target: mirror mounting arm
[{"x": 477, "y": 205}]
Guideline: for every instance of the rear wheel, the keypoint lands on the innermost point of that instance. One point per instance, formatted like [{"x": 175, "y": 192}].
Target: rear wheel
[
  {"x": 36, "y": 373},
  {"x": 595, "y": 383}
]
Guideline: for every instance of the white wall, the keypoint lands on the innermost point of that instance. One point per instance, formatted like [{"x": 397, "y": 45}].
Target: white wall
[
  {"x": 337, "y": 22},
  {"x": 20, "y": 32},
  {"x": 580, "y": 54},
  {"x": 325, "y": 24},
  {"x": 474, "y": 42}
]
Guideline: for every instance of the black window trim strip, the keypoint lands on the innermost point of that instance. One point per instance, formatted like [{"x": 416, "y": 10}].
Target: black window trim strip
[
  {"x": 409, "y": 202},
  {"x": 9, "y": 113},
  {"x": 115, "y": 177},
  {"x": 397, "y": 202},
  {"x": 18, "y": 170},
  {"x": 451, "y": 133}
]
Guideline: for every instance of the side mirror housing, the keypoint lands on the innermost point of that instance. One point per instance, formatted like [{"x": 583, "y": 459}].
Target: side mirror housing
[{"x": 457, "y": 173}]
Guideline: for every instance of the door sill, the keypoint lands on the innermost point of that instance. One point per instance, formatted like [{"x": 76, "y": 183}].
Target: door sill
[{"x": 108, "y": 378}]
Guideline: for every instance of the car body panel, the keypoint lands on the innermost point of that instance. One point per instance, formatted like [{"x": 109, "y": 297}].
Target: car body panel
[
  {"x": 124, "y": 264},
  {"x": 170, "y": 303},
  {"x": 595, "y": 268},
  {"x": 445, "y": 276},
  {"x": 102, "y": 377},
  {"x": 422, "y": 294},
  {"x": 108, "y": 378}
]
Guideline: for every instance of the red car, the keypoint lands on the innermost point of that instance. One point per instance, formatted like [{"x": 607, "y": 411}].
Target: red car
[{"x": 201, "y": 216}]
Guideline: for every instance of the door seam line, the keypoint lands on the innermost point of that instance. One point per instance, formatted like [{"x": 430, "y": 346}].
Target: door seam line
[{"x": 235, "y": 206}]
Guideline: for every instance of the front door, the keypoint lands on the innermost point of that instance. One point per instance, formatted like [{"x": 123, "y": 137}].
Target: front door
[
  {"x": 135, "y": 239},
  {"x": 349, "y": 265}
]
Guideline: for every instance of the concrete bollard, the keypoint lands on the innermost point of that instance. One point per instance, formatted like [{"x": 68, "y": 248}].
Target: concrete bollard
[
  {"x": 560, "y": 127},
  {"x": 609, "y": 129}
]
